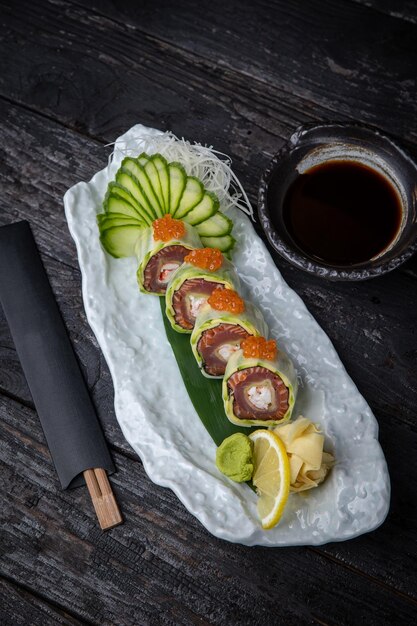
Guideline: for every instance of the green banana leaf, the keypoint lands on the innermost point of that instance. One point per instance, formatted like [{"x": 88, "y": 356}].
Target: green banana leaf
[{"x": 205, "y": 393}]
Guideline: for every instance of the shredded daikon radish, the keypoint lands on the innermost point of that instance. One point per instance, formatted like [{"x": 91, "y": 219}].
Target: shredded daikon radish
[{"x": 210, "y": 166}]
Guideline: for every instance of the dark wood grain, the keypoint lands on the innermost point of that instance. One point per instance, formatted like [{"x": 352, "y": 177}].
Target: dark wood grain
[
  {"x": 372, "y": 323},
  {"x": 175, "y": 88},
  {"x": 18, "y": 604},
  {"x": 182, "y": 84},
  {"x": 399, "y": 9},
  {"x": 76, "y": 75},
  {"x": 152, "y": 568},
  {"x": 374, "y": 554},
  {"x": 344, "y": 56},
  {"x": 350, "y": 309}
]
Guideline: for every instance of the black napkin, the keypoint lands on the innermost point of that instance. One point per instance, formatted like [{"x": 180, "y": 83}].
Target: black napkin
[{"x": 67, "y": 415}]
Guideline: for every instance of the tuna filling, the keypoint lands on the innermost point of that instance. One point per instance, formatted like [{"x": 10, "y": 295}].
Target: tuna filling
[
  {"x": 189, "y": 298},
  {"x": 161, "y": 266},
  {"x": 258, "y": 394},
  {"x": 216, "y": 346}
]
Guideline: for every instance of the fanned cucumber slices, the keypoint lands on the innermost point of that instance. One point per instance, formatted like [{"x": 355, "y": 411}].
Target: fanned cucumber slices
[{"x": 148, "y": 187}]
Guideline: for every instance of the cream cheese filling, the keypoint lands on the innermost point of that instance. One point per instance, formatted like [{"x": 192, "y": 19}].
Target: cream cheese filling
[
  {"x": 260, "y": 396},
  {"x": 226, "y": 350},
  {"x": 166, "y": 271}
]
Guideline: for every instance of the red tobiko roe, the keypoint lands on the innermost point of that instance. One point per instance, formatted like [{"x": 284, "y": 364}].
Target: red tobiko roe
[
  {"x": 226, "y": 300},
  {"x": 166, "y": 228},
  {"x": 210, "y": 259},
  {"x": 259, "y": 348}
]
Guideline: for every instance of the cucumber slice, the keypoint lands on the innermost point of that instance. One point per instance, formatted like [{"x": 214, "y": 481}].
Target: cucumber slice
[
  {"x": 177, "y": 182},
  {"x": 192, "y": 195},
  {"x": 109, "y": 220},
  {"x": 143, "y": 159},
  {"x": 126, "y": 179},
  {"x": 224, "y": 244},
  {"x": 161, "y": 185},
  {"x": 147, "y": 178},
  {"x": 113, "y": 203},
  {"x": 161, "y": 165},
  {"x": 207, "y": 207},
  {"x": 153, "y": 175},
  {"x": 216, "y": 226},
  {"x": 120, "y": 241},
  {"x": 123, "y": 193}
]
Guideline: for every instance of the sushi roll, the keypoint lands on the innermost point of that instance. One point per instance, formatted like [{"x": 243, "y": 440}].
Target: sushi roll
[
  {"x": 161, "y": 249},
  {"x": 203, "y": 271},
  {"x": 219, "y": 331},
  {"x": 259, "y": 385}
]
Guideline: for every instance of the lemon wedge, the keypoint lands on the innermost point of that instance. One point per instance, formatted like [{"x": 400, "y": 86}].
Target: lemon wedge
[{"x": 271, "y": 475}]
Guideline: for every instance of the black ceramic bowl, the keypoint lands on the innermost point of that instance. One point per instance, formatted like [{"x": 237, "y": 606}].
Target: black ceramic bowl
[{"x": 311, "y": 146}]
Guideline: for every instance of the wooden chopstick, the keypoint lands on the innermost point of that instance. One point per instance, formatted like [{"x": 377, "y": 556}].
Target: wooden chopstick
[{"x": 103, "y": 498}]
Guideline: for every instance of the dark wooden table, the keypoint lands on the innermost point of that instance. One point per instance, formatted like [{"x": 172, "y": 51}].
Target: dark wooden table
[{"x": 240, "y": 76}]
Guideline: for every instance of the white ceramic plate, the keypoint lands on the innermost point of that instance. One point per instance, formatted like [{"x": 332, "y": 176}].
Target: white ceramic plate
[{"x": 160, "y": 423}]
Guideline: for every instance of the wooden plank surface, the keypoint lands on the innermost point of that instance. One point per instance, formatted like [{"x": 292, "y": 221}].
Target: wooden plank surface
[
  {"x": 18, "y": 604},
  {"x": 157, "y": 555},
  {"x": 78, "y": 74},
  {"x": 339, "y": 55}
]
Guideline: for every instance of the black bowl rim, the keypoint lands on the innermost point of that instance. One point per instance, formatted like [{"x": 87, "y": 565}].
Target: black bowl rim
[{"x": 292, "y": 255}]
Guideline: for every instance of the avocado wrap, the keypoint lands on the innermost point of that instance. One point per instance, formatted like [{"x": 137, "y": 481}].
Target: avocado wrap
[
  {"x": 259, "y": 391},
  {"x": 158, "y": 260},
  {"x": 189, "y": 289},
  {"x": 218, "y": 334}
]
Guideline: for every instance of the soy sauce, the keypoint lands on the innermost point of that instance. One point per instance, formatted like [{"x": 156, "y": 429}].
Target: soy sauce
[{"x": 342, "y": 212}]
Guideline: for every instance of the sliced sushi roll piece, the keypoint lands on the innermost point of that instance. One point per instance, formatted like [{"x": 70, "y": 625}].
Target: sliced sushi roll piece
[
  {"x": 161, "y": 250},
  {"x": 203, "y": 271},
  {"x": 260, "y": 384},
  {"x": 218, "y": 334}
]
